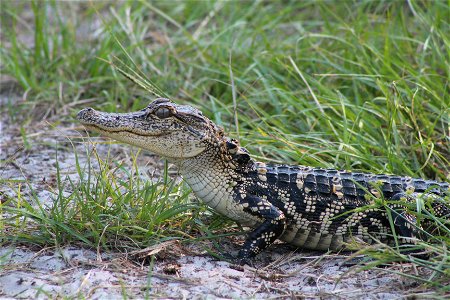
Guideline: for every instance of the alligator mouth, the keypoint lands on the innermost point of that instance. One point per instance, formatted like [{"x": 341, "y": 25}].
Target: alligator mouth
[
  {"x": 112, "y": 130},
  {"x": 94, "y": 120}
]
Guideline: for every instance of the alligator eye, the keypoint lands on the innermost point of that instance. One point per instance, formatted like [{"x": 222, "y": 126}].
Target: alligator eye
[{"x": 163, "y": 112}]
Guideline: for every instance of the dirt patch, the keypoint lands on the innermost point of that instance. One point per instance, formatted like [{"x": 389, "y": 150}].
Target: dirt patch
[
  {"x": 75, "y": 272},
  {"x": 184, "y": 271}
]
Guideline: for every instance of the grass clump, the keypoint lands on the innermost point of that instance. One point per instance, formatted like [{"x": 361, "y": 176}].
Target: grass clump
[{"x": 111, "y": 206}]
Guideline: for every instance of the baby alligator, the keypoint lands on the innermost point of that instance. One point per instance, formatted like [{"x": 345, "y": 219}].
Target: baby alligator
[{"x": 308, "y": 207}]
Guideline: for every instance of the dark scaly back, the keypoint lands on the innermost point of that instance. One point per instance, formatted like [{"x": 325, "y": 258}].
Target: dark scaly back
[
  {"x": 307, "y": 194},
  {"x": 299, "y": 184}
]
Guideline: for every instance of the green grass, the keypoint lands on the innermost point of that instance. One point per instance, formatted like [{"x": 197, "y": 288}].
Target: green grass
[
  {"x": 108, "y": 205},
  {"x": 360, "y": 85}
]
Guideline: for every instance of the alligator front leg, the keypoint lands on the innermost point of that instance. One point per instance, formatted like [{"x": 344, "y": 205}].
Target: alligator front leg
[{"x": 265, "y": 234}]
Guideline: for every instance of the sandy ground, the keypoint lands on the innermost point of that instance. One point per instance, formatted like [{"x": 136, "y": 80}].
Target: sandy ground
[
  {"x": 74, "y": 272},
  {"x": 177, "y": 271}
]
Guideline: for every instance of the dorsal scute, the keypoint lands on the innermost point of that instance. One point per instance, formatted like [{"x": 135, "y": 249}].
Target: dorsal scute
[{"x": 239, "y": 156}]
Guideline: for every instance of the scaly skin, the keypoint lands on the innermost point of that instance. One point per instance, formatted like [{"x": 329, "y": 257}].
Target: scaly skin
[{"x": 307, "y": 207}]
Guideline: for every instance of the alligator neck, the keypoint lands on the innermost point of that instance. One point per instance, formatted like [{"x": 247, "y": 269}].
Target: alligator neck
[
  {"x": 208, "y": 162},
  {"x": 210, "y": 175}
]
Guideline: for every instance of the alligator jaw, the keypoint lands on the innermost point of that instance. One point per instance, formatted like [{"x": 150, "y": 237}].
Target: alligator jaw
[
  {"x": 113, "y": 124},
  {"x": 164, "y": 128},
  {"x": 111, "y": 131}
]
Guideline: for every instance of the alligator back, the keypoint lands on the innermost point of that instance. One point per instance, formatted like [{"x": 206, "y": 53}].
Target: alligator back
[
  {"x": 325, "y": 208},
  {"x": 345, "y": 185}
]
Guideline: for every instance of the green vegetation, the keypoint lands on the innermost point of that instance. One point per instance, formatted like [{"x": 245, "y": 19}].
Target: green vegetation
[{"x": 359, "y": 85}]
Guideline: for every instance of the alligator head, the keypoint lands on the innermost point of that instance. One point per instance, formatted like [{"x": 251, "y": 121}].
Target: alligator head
[{"x": 173, "y": 131}]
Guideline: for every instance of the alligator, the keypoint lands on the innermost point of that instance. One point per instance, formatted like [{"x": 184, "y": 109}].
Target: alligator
[{"x": 312, "y": 208}]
